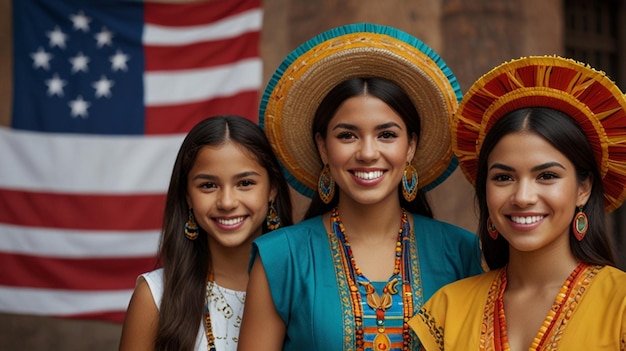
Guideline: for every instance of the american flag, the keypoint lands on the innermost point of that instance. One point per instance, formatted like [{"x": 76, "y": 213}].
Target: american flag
[{"x": 103, "y": 93}]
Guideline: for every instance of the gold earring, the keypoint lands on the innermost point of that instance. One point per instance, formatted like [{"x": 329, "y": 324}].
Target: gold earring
[
  {"x": 326, "y": 185},
  {"x": 272, "y": 220},
  {"x": 410, "y": 180},
  {"x": 191, "y": 227}
]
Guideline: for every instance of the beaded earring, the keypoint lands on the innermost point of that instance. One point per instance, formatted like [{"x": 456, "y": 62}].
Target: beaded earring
[
  {"x": 410, "y": 181},
  {"x": 191, "y": 227},
  {"x": 326, "y": 185},
  {"x": 491, "y": 229},
  {"x": 272, "y": 220},
  {"x": 580, "y": 224}
]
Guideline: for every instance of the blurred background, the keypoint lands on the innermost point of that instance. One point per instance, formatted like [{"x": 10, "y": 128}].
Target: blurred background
[{"x": 46, "y": 301}]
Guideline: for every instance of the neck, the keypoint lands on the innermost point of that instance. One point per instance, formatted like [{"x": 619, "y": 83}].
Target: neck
[
  {"x": 370, "y": 221},
  {"x": 526, "y": 269},
  {"x": 230, "y": 266}
]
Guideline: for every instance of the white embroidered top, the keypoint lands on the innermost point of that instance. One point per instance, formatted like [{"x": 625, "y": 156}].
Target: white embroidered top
[{"x": 225, "y": 308}]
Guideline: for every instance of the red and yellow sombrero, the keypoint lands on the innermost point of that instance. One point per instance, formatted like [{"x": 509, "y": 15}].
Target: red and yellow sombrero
[{"x": 585, "y": 94}]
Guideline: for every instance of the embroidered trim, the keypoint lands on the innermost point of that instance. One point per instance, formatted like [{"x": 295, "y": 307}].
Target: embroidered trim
[
  {"x": 435, "y": 330},
  {"x": 494, "y": 333},
  {"x": 347, "y": 311},
  {"x": 344, "y": 293}
]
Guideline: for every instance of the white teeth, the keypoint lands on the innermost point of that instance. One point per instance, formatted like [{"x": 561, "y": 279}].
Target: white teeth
[
  {"x": 526, "y": 220},
  {"x": 369, "y": 175},
  {"x": 230, "y": 221}
]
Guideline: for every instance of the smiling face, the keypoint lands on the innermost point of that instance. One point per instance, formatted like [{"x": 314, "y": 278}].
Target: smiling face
[
  {"x": 532, "y": 193},
  {"x": 229, "y": 192},
  {"x": 367, "y": 148}
]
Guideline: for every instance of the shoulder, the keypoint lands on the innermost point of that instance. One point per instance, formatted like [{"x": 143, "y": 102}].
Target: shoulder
[
  {"x": 153, "y": 278},
  {"x": 141, "y": 319},
  {"x": 437, "y": 225},
  {"x": 313, "y": 227},
  {"x": 477, "y": 283},
  {"x": 458, "y": 294},
  {"x": 612, "y": 281},
  {"x": 152, "y": 282},
  {"x": 441, "y": 234},
  {"x": 299, "y": 242}
]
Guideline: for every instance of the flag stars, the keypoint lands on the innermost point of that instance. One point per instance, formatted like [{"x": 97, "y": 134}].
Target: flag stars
[
  {"x": 79, "y": 107},
  {"x": 55, "y": 85},
  {"x": 79, "y": 63},
  {"x": 41, "y": 58},
  {"x": 103, "y": 87},
  {"x": 104, "y": 37},
  {"x": 118, "y": 61},
  {"x": 80, "y": 53},
  {"x": 57, "y": 38},
  {"x": 80, "y": 21}
]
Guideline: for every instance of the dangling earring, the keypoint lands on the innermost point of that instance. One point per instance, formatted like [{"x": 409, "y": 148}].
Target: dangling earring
[
  {"x": 491, "y": 229},
  {"x": 272, "y": 220},
  {"x": 326, "y": 185},
  {"x": 191, "y": 227},
  {"x": 409, "y": 182},
  {"x": 580, "y": 224}
]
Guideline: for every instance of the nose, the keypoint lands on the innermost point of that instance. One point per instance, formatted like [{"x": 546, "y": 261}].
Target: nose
[
  {"x": 368, "y": 150},
  {"x": 525, "y": 194},
  {"x": 226, "y": 200}
]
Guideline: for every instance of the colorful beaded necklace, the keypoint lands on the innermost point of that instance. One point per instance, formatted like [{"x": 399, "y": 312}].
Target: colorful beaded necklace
[
  {"x": 207, "y": 316},
  {"x": 401, "y": 272},
  {"x": 500, "y": 329}
]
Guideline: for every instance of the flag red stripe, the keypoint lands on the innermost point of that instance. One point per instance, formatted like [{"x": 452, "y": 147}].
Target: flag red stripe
[
  {"x": 81, "y": 211},
  {"x": 181, "y": 14},
  {"x": 115, "y": 317},
  {"x": 86, "y": 274},
  {"x": 202, "y": 55},
  {"x": 162, "y": 119}
]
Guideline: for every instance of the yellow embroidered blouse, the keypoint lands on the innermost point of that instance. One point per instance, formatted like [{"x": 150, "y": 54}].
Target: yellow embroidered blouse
[{"x": 463, "y": 315}]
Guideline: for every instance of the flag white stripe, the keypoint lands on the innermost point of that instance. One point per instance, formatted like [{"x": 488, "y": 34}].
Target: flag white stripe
[
  {"x": 61, "y": 302},
  {"x": 193, "y": 85},
  {"x": 68, "y": 243},
  {"x": 230, "y": 27},
  {"x": 72, "y": 163}
]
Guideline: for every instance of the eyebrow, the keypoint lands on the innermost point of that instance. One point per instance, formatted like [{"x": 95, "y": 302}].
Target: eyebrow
[
  {"x": 540, "y": 167},
  {"x": 378, "y": 127},
  {"x": 237, "y": 176}
]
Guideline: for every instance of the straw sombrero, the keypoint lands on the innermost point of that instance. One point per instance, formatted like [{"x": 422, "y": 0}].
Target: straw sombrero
[
  {"x": 309, "y": 72},
  {"x": 571, "y": 87}
]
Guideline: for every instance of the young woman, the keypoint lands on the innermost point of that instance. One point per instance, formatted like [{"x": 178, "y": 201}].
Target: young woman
[
  {"x": 544, "y": 141},
  {"x": 226, "y": 189},
  {"x": 359, "y": 120}
]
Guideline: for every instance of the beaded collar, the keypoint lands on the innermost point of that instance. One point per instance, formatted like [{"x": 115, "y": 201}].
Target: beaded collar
[
  {"x": 378, "y": 303},
  {"x": 562, "y": 308}
]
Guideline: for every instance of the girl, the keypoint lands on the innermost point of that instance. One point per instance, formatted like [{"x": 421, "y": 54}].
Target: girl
[
  {"x": 368, "y": 108},
  {"x": 544, "y": 141},
  {"x": 226, "y": 189}
]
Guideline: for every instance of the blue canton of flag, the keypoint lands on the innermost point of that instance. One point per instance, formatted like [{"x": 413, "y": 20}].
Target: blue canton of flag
[{"x": 76, "y": 71}]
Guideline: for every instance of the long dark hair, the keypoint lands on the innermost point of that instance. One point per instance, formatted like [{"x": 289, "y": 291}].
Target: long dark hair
[
  {"x": 564, "y": 134},
  {"x": 185, "y": 262},
  {"x": 395, "y": 97}
]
